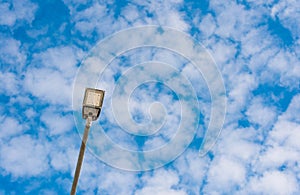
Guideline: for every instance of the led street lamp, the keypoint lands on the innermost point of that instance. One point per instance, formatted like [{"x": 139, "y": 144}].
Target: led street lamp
[{"x": 91, "y": 107}]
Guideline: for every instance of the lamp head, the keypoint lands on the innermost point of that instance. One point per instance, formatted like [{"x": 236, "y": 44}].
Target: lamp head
[{"x": 92, "y": 103}]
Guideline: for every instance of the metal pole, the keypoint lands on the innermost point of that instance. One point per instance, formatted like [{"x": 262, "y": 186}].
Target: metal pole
[{"x": 81, "y": 154}]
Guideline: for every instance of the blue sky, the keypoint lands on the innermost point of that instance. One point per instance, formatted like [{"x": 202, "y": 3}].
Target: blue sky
[{"x": 46, "y": 45}]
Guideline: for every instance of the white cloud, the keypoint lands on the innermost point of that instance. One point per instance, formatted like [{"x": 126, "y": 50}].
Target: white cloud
[
  {"x": 20, "y": 99},
  {"x": 274, "y": 182},
  {"x": 192, "y": 169},
  {"x": 255, "y": 41},
  {"x": 223, "y": 51},
  {"x": 239, "y": 92},
  {"x": 258, "y": 113},
  {"x": 30, "y": 113},
  {"x": 117, "y": 182},
  {"x": 285, "y": 64},
  {"x": 63, "y": 155},
  {"x": 281, "y": 151},
  {"x": 164, "y": 13},
  {"x": 57, "y": 123},
  {"x": 9, "y": 83},
  {"x": 11, "y": 56},
  {"x": 260, "y": 60},
  {"x": 23, "y": 156},
  {"x": 9, "y": 127},
  {"x": 287, "y": 13},
  {"x": 236, "y": 152},
  {"x": 16, "y": 10},
  {"x": 60, "y": 162},
  {"x": 284, "y": 147},
  {"x": 238, "y": 144},
  {"x": 286, "y": 129},
  {"x": 208, "y": 25},
  {"x": 172, "y": 19},
  {"x": 7, "y": 16},
  {"x": 64, "y": 59},
  {"x": 101, "y": 19},
  {"x": 233, "y": 20},
  {"x": 97, "y": 177},
  {"x": 162, "y": 182},
  {"x": 131, "y": 13},
  {"x": 277, "y": 156},
  {"x": 52, "y": 74},
  {"x": 47, "y": 192},
  {"x": 227, "y": 172},
  {"x": 49, "y": 85}
]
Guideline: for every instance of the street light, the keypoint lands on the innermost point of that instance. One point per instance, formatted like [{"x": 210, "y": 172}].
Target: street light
[{"x": 91, "y": 108}]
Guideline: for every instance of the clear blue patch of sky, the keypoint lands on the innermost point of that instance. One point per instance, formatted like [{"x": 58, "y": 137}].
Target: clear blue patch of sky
[
  {"x": 117, "y": 7},
  {"x": 52, "y": 13},
  {"x": 82, "y": 6},
  {"x": 276, "y": 95},
  {"x": 244, "y": 122},
  {"x": 194, "y": 9},
  {"x": 196, "y": 143},
  {"x": 4, "y": 99},
  {"x": 49, "y": 16},
  {"x": 284, "y": 35},
  {"x": 282, "y": 167},
  {"x": 34, "y": 185},
  {"x": 140, "y": 141}
]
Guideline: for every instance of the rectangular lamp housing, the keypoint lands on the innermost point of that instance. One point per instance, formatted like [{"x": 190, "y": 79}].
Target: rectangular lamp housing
[{"x": 92, "y": 103}]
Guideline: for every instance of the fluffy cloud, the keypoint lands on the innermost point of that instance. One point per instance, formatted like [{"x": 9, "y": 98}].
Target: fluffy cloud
[
  {"x": 283, "y": 147},
  {"x": 16, "y": 10},
  {"x": 24, "y": 156},
  {"x": 258, "y": 113},
  {"x": 56, "y": 123},
  {"x": 225, "y": 175},
  {"x": 10, "y": 126},
  {"x": 49, "y": 86},
  {"x": 50, "y": 77},
  {"x": 9, "y": 83},
  {"x": 286, "y": 11},
  {"x": 11, "y": 55},
  {"x": 162, "y": 182},
  {"x": 274, "y": 182},
  {"x": 192, "y": 171}
]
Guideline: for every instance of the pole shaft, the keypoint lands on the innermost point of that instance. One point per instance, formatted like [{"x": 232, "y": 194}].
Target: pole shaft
[{"x": 80, "y": 156}]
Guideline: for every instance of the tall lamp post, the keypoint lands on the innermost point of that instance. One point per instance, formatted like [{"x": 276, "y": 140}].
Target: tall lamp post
[{"x": 91, "y": 108}]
